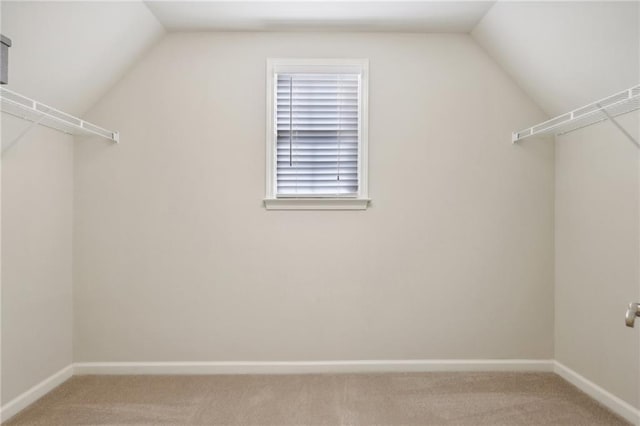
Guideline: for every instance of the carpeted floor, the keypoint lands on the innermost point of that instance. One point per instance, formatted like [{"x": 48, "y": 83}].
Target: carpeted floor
[{"x": 348, "y": 399}]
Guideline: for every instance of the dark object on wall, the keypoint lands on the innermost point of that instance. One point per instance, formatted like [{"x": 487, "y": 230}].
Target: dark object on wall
[{"x": 5, "y": 44}]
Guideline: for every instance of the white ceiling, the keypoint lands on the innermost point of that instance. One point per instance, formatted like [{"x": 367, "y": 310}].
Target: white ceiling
[
  {"x": 407, "y": 16},
  {"x": 565, "y": 54},
  {"x": 68, "y": 54}
]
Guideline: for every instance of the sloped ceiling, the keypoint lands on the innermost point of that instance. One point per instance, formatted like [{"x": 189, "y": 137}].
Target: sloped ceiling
[
  {"x": 406, "y": 16},
  {"x": 68, "y": 54},
  {"x": 565, "y": 54}
]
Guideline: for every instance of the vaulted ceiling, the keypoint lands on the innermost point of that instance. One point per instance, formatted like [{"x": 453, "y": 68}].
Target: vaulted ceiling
[
  {"x": 563, "y": 54},
  {"x": 414, "y": 16},
  {"x": 68, "y": 54}
]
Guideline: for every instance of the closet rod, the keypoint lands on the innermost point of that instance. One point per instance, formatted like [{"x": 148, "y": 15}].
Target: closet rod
[
  {"x": 605, "y": 109},
  {"x": 38, "y": 113}
]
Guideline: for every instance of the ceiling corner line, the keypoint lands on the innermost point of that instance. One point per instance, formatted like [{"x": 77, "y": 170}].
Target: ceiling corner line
[
  {"x": 146, "y": 4},
  {"x": 481, "y": 18}
]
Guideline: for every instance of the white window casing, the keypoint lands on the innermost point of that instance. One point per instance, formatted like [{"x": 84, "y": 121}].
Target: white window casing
[{"x": 317, "y": 128}]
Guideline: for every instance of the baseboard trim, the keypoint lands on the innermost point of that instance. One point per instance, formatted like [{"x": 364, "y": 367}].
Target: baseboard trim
[
  {"x": 302, "y": 367},
  {"x": 604, "y": 397},
  {"x": 601, "y": 395},
  {"x": 27, "y": 398}
]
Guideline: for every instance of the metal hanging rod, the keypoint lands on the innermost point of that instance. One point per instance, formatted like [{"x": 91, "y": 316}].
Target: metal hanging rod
[
  {"x": 604, "y": 109},
  {"x": 38, "y": 113}
]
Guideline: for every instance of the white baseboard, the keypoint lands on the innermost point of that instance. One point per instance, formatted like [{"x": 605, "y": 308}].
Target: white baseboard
[
  {"x": 27, "y": 398},
  {"x": 301, "y": 367},
  {"x": 606, "y": 398},
  {"x": 601, "y": 395}
]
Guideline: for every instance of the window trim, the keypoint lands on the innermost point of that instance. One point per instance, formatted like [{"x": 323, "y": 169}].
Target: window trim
[{"x": 361, "y": 201}]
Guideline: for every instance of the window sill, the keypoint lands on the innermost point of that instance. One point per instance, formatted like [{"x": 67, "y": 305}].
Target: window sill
[{"x": 316, "y": 203}]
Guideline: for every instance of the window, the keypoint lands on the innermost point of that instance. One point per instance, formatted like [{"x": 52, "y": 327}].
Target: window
[{"x": 316, "y": 134}]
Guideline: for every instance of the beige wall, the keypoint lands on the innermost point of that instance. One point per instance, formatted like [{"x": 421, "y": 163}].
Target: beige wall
[
  {"x": 598, "y": 255},
  {"x": 176, "y": 259},
  {"x": 37, "y": 215}
]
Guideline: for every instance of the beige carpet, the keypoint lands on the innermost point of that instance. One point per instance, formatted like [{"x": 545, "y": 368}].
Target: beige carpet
[{"x": 350, "y": 399}]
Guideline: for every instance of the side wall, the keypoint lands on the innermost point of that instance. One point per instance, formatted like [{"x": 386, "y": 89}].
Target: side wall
[
  {"x": 598, "y": 255},
  {"x": 37, "y": 217},
  {"x": 177, "y": 260},
  {"x": 65, "y": 54}
]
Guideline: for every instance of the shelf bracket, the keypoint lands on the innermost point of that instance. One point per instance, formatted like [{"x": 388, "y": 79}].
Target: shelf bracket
[
  {"x": 23, "y": 133},
  {"x": 622, "y": 129}
]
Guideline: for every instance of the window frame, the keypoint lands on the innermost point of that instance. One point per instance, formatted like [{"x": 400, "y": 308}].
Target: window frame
[{"x": 361, "y": 200}]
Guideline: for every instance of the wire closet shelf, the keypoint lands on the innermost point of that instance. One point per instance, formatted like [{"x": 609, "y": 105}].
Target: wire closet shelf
[
  {"x": 604, "y": 109},
  {"x": 38, "y": 113}
]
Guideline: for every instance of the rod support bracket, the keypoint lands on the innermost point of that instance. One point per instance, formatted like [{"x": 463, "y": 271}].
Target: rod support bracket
[{"x": 622, "y": 129}]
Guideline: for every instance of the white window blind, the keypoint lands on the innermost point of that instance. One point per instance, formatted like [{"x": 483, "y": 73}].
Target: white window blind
[{"x": 317, "y": 131}]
